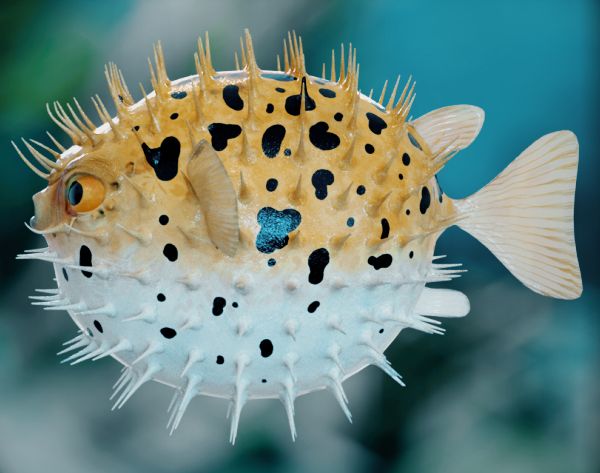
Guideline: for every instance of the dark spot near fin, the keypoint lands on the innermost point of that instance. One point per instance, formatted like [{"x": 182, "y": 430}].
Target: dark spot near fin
[
  {"x": 425, "y": 200},
  {"x": 292, "y": 103},
  {"x": 218, "y": 305},
  {"x": 231, "y": 96},
  {"x": 164, "y": 159},
  {"x": 85, "y": 259},
  {"x": 330, "y": 94},
  {"x": 317, "y": 261},
  {"x": 179, "y": 94},
  {"x": 320, "y": 180},
  {"x": 222, "y": 132},
  {"x": 170, "y": 251},
  {"x": 379, "y": 262},
  {"x": 376, "y": 123},
  {"x": 272, "y": 139},
  {"x": 275, "y": 226},
  {"x": 266, "y": 348},
  {"x": 321, "y": 138},
  {"x": 98, "y": 326},
  {"x": 385, "y": 228}
]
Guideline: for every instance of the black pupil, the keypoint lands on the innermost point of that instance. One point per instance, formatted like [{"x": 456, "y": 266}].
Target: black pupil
[{"x": 75, "y": 193}]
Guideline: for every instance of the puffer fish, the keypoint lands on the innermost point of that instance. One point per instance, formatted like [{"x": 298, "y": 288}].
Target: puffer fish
[{"x": 259, "y": 233}]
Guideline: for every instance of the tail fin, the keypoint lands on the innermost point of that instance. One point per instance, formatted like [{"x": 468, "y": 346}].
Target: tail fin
[{"x": 525, "y": 216}]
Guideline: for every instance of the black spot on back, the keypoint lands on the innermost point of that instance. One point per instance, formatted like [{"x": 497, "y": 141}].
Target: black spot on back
[
  {"x": 266, "y": 348},
  {"x": 222, "y": 132},
  {"x": 317, "y": 261},
  {"x": 274, "y": 228},
  {"x": 405, "y": 159},
  {"x": 376, "y": 123},
  {"x": 174, "y": 116},
  {"x": 270, "y": 108},
  {"x": 272, "y": 184},
  {"x": 314, "y": 305},
  {"x": 385, "y": 228},
  {"x": 218, "y": 305},
  {"x": 179, "y": 94},
  {"x": 379, "y": 262},
  {"x": 321, "y": 138},
  {"x": 168, "y": 332},
  {"x": 425, "y": 200},
  {"x": 369, "y": 148},
  {"x": 292, "y": 103},
  {"x": 271, "y": 140},
  {"x": 163, "y": 219},
  {"x": 338, "y": 117},
  {"x": 320, "y": 180},
  {"x": 85, "y": 259},
  {"x": 330, "y": 94},
  {"x": 360, "y": 190},
  {"x": 231, "y": 96},
  {"x": 164, "y": 159}
]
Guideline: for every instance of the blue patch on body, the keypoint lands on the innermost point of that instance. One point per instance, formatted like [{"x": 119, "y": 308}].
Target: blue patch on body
[{"x": 275, "y": 226}]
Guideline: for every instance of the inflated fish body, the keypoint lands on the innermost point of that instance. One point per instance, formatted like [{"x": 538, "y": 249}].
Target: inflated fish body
[{"x": 264, "y": 234}]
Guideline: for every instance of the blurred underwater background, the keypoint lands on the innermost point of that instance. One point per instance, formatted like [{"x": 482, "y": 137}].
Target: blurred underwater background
[{"x": 513, "y": 387}]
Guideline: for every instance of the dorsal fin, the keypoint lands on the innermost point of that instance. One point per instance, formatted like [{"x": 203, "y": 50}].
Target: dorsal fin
[
  {"x": 456, "y": 126},
  {"x": 217, "y": 197}
]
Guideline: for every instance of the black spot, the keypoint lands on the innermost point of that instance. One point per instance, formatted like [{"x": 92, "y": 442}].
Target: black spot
[
  {"x": 98, "y": 326},
  {"x": 405, "y": 159},
  {"x": 385, "y": 228},
  {"x": 222, "y": 132},
  {"x": 218, "y": 305},
  {"x": 425, "y": 200},
  {"x": 270, "y": 108},
  {"x": 271, "y": 262},
  {"x": 317, "y": 261},
  {"x": 231, "y": 96},
  {"x": 266, "y": 348},
  {"x": 281, "y": 90},
  {"x": 400, "y": 176},
  {"x": 360, "y": 190},
  {"x": 220, "y": 360},
  {"x": 271, "y": 140},
  {"x": 274, "y": 228},
  {"x": 164, "y": 159},
  {"x": 65, "y": 274},
  {"x": 338, "y": 117},
  {"x": 350, "y": 222},
  {"x": 376, "y": 123},
  {"x": 407, "y": 211},
  {"x": 272, "y": 184},
  {"x": 369, "y": 148},
  {"x": 330, "y": 94},
  {"x": 292, "y": 103},
  {"x": 85, "y": 259},
  {"x": 378, "y": 262},
  {"x": 321, "y": 138},
  {"x": 279, "y": 76},
  {"x": 161, "y": 297},
  {"x": 174, "y": 116},
  {"x": 136, "y": 128},
  {"x": 320, "y": 180},
  {"x": 264, "y": 380},
  {"x": 380, "y": 330},
  {"x": 168, "y": 332},
  {"x": 179, "y": 94},
  {"x": 411, "y": 254},
  {"x": 170, "y": 252},
  {"x": 235, "y": 305},
  {"x": 314, "y": 305},
  {"x": 163, "y": 219},
  {"x": 414, "y": 141},
  {"x": 287, "y": 152}
]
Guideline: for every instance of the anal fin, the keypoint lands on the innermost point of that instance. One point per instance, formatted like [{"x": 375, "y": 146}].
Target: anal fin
[{"x": 442, "y": 303}]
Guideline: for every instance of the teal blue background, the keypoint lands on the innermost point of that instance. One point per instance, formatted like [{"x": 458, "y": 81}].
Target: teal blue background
[{"x": 511, "y": 388}]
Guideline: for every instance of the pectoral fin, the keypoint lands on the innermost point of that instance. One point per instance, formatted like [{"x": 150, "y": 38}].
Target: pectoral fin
[
  {"x": 217, "y": 197},
  {"x": 442, "y": 303}
]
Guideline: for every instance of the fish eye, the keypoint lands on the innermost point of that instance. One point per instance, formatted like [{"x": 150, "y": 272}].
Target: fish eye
[{"x": 84, "y": 193}]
